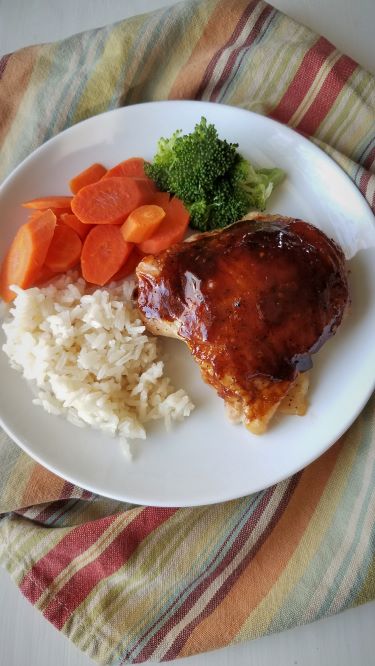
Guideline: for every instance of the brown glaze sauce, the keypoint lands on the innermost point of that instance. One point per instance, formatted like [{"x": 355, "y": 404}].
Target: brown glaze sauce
[{"x": 254, "y": 300}]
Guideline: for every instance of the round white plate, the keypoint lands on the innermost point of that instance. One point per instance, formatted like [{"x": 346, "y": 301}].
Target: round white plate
[{"x": 205, "y": 459}]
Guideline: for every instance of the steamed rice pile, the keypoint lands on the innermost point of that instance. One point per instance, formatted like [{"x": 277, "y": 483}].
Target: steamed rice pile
[{"x": 89, "y": 357}]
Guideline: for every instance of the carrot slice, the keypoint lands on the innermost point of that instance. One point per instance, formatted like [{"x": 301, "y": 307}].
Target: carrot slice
[
  {"x": 55, "y": 202},
  {"x": 110, "y": 200},
  {"x": 92, "y": 174},
  {"x": 161, "y": 199},
  {"x": 65, "y": 249},
  {"x": 142, "y": 223},
  {"x": 133, "y": 167},
  {"x": 130, "y": 168},
  {"x": 44, "y": 275},
  {"x": 72, "y": 221},
  {"x": 149, "y": 186},
  {"x": 36, "y": 213},
  {"x": 171, "y": 230},
  {"x": 104, "y": 252},
  {"x": 128, "y": 266},
  {"x": 27, "y": 254}
]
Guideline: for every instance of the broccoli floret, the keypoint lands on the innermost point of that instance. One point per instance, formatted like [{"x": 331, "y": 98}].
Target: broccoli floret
[
  {"x": 217, "y": 185},
  {"x": 257, "y": 184}
]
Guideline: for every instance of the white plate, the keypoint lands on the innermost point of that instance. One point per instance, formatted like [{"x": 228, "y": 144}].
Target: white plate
[{"x": 205, "y": 459}]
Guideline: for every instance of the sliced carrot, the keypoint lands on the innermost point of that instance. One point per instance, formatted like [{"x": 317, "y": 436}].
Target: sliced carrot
[
  {"x": 53, "y": 202},
  {"x": 133, "y": 167},
  {"x": 110, "y": 200},
  {"x": 142, "y": 223},
  {"x": 92, "y": 174},
  {"x": 130, "y": 168},
  {"x": 61, "y": 211},
  {"x": 27, "y": 254},
  {"x": 128, "y": 266},
  {"x": 148, "y": 186},
  {"x": 33, "y": 214},
  {"x": 171, "y": 230},
  {"x": 65, "y": 249},
  {"x": 44, "y": 275},
  {"x": 161, "y": 199},
  {"x": 72, "y": 221},
  {"x": 104, "y": 252}
]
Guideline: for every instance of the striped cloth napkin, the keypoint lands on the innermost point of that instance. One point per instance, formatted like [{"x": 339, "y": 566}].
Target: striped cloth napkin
[{"x": 129, "y": 583}]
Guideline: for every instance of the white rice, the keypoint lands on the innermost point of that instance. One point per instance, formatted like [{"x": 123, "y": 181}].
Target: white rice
[{"x": 89, "y": 357}]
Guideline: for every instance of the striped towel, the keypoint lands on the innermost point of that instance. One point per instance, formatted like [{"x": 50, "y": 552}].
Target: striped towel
[{"x": 129, "y": 583}]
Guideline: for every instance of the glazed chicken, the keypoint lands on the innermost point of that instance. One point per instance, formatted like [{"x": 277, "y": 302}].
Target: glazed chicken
[{"x": 252, "y": 301}]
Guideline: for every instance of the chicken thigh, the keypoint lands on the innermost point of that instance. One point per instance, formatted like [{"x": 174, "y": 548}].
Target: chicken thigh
[{"x": 252, "y": 301}]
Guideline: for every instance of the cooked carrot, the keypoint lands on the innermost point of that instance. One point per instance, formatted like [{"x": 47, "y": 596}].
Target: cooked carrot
[
  {"x": 43, "y": 276},
  {"x": 161, "y": 199},
  {"x": 149, "y": 186},
  {"x": 92, "y": 174},
  {"x": 171, "y": 230},
  {"x": 33, "y": 214},
  {"x": 72, "y": 221},
  {"x": 130, "y": 168},
  {"x": 110, "y": 200},
  {"x": 54, "y": 202},
  {"x": 65, "y": 249},
  {"x": 27, "y": 254},
  {"x": 142, "y": 223},
  {"x": 128, "y": 266},
  {"x": 61, "y": 211},
  {"x": 133, "y": 167},
  {"x": 103, "y": 254}
]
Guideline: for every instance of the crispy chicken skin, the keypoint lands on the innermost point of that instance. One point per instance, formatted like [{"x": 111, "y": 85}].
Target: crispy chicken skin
[{"x": 252, "y": 301}]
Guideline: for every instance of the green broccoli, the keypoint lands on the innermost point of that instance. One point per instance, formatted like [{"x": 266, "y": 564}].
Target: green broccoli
[{"x": 215, "y": 182}]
